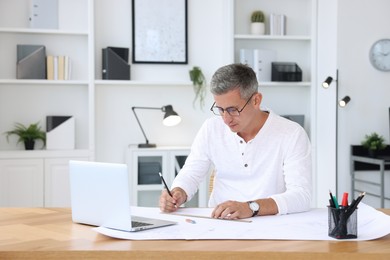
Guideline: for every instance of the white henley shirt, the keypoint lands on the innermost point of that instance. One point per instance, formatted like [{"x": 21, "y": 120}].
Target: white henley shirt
[{"x": 275, "y": 164}]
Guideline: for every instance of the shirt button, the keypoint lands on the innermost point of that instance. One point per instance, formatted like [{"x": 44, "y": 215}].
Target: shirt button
[
  {"x": 241, "y": 141},
  {"x": 246, "y": 165},
  {"x": 242, "y": 154}
]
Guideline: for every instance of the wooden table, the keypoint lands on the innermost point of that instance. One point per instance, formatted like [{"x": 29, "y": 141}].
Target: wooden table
[{"x": 46, "y": 233}]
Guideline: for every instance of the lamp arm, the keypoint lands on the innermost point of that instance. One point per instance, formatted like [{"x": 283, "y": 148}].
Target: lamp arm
[{"x": 139, "y": 123}]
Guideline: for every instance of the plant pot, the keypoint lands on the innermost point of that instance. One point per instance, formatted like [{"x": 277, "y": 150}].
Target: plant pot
[
  {"x": 257, "y": 28},
  {"x": 29, "y": 144},
  {"x": 372, "y": 153}
]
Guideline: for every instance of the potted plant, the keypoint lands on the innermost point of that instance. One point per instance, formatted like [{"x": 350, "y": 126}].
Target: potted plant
[
  {"x": 374, "y": 142},
  {"x": 257, "y": 22},
  {"x": 28, "y": 135},
  {"x": 199, "y": 83}
]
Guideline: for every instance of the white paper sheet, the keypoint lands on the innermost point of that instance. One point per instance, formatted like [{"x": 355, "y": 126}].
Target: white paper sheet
[{"x": 311, "y": 225}]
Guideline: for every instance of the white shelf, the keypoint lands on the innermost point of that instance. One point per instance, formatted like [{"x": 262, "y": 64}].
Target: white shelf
[
  {"x": 42, "y": 82},
  {"x": 17, "y": 154},
  {"x": 40, "y": 31},
  {"x": 143, "y": 83},
  {"x": 284, "y": 84},
  {"x": 272, "y": 37}
]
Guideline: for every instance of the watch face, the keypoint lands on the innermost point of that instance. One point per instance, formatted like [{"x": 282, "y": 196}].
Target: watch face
[
  {"x": 380, "y": 55},
  {"x": 254, "y": 206}
]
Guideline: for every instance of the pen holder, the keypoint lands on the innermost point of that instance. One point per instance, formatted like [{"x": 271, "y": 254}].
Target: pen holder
[{"x": 342, "y": 223}]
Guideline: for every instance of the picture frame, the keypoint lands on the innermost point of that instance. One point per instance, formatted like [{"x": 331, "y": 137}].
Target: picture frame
[{"x": 159, "y": 32}]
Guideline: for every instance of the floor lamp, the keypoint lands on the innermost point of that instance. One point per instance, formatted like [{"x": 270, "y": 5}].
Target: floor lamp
[{"x": 339, "y": 103}]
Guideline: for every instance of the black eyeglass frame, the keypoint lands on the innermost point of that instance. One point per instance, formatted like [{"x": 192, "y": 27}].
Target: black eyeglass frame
[{"x": 229, "y": 108}]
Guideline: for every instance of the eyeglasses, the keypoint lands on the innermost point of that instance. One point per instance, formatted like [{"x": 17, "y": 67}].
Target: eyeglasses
[{"x": 232, "y": 111}]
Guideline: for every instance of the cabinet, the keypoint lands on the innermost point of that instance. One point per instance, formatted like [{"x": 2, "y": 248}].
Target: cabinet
[
  {"x": 36, "y": 178},
  {"x": 297, "y": 45},
  {"x": 146, "y": 185}
]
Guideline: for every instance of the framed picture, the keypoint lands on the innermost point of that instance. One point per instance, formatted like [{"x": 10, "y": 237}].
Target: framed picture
[{"x": 159, "y": 31}]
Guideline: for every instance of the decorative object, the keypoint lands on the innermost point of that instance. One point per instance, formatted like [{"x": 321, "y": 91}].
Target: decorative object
[
  {"x": 380, "y": 55},
  {"x": 159, "y": 31},
  {"x": 199, "y": 83},
  {"x": 60, "y": 132},
  {"x": 326, "y": 84},
  {"x": 257, "y": 22},
  {"x": 374, "y": 142},
  {"x": 28, "y": 135},
  {"x": 171, "y": 118}
]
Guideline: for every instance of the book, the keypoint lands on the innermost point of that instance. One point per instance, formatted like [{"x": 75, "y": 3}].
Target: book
[
  {"x": 50, "y": 67},
  {"x": 61, "y": 67}
]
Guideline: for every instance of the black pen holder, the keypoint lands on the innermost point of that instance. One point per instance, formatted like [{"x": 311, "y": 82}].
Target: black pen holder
[{"x": 342, "y": 223}]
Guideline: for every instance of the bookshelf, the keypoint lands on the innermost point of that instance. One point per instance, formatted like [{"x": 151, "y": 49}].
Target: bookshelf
[
  {"x": 297, "y": 45},
  {"x": 40, "y": 177}
]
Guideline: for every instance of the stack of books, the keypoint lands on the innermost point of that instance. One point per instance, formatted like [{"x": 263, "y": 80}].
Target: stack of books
[
  {"x": 58, "y": 67},
  {"x": 277, "y": 23}
]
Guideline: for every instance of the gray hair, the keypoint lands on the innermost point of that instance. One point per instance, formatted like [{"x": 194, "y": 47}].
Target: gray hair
[{"x": 234, "y": 76}]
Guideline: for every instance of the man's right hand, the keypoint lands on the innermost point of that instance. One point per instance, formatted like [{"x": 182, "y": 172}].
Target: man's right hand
[{"x": 171, "y": 204}]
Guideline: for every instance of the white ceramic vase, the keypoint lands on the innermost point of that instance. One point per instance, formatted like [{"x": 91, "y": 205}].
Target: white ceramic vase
[{"x": 257, "y": 28}]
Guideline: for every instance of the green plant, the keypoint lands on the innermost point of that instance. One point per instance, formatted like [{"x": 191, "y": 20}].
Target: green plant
[
  {"x": 257, "y": 17},
  {"x": 27, "y": 134},
  {"x": 199, "y": 83},
  {"x": 374, "y": 142}
]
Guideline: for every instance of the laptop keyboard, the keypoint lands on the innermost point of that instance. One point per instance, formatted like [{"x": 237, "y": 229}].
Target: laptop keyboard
[{"x": 139, "y": 224}]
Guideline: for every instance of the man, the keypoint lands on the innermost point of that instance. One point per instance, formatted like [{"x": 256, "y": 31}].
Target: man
[{"x": 262, "y": 161}]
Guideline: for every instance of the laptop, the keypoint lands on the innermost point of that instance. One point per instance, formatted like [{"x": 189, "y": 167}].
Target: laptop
[{"x": 100, "y": 196}]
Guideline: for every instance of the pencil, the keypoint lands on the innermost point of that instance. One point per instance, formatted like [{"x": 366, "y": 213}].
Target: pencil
[{"x": 165, "y": 184}]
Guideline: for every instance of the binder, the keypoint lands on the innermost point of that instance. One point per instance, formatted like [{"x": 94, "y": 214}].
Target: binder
[
  {"x": 115, "y": 63},
  {"x": 31, "y": 62},
  {"x": 44, "y": 14}
]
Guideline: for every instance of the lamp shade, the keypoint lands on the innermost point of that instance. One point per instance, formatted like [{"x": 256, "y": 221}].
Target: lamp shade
[
  {"x": 327, "y": 82},
  {"x": 343, "y": 102},
  {"x": 171, "y": 118}
]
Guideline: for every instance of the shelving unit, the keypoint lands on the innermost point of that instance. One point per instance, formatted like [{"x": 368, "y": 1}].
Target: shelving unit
[
  {"x": 298, "y": 45},
  {"x": 40, "y": 177}
]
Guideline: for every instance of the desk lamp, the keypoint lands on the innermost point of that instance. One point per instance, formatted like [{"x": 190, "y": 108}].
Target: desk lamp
[{"x": 171, "y": 118}]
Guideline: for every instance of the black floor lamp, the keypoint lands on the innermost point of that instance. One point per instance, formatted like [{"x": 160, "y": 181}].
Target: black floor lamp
[
  {"x": 171, "y": 118},
  {"x": 339, "y": 103}
]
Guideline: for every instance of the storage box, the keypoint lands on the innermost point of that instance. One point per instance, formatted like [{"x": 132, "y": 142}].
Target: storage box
[{"x": 286, "y": 71}]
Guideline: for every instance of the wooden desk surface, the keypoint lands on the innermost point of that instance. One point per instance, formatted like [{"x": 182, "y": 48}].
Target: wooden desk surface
[{"x": 46, "y": 233}]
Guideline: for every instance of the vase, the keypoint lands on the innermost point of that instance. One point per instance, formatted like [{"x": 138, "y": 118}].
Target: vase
[
  {"x": 257, "y": 28},
  {"x": 29, "y": 144}
]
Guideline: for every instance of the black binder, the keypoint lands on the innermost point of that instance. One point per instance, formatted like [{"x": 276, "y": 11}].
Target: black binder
[{"x": 115, "y": 63}]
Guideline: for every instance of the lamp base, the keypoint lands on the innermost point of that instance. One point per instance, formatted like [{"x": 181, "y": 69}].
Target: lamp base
[{"x": 147, "y": 145}]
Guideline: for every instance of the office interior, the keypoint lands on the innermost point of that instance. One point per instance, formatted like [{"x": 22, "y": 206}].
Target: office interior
[{"x": 342, "y": 33}]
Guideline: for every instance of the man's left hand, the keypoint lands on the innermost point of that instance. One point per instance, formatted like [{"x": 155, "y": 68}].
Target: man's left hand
[{"x": 232, "y": 210}]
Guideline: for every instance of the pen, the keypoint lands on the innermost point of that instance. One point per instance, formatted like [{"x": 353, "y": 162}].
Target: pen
[
  {"x": 165, "y": 184},
  {"x": 331, "y": 203},
  {"x": 336, "y": 204},
  {"x": 344, "y": 202}
]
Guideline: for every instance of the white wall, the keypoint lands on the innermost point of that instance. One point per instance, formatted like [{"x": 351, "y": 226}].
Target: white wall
[
  {"x": 116, "y": 126},
  {"x": 358, "y": 28}
]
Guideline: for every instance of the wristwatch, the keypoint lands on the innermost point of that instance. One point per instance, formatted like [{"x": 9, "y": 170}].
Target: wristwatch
[{"x": 255, "y": 207}]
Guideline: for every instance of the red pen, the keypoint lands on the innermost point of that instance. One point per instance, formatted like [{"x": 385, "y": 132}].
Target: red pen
[{"x": 344, "y": 202}]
